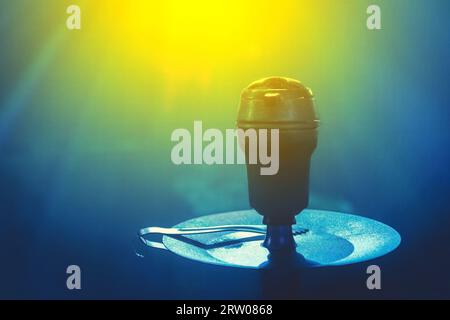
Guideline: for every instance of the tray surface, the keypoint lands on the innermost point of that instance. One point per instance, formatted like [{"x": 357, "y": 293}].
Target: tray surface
[{"x": 334, "y": 239}]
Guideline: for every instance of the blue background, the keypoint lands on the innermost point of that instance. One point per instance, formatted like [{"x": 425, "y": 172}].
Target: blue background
[{"x": 388, "y": 159}]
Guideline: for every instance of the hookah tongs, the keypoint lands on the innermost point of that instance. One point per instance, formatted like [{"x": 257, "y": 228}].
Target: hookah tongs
[{"x": 177, "y": 232}]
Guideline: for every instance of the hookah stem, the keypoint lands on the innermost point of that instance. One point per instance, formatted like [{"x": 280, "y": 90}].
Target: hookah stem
[
  {"x": 282, "y": 277},
  {"x": 279, "y": 238}
]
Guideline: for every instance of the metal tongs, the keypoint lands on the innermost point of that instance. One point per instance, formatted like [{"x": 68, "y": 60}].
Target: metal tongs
[{"x": 176, "y": 232}]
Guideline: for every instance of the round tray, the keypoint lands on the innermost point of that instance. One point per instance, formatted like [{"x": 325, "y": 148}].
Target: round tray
[{"x": 333, "y": 239}]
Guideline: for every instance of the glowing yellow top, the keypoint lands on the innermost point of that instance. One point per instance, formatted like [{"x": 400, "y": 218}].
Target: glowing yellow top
[{"x": 277, "y": 102}]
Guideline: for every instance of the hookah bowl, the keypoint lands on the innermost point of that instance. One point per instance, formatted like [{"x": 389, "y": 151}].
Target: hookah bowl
[{"x": 288, "y": 106}]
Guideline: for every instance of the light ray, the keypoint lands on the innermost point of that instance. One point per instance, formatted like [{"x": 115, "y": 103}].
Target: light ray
[{"x": 16, "y": 103}]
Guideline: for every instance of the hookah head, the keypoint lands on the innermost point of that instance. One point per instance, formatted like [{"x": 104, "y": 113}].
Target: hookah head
[{"x": 288, "y": 106}]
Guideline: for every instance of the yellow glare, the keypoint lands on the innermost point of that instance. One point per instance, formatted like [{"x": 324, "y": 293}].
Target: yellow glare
[{"x": 189, "y": 40}]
